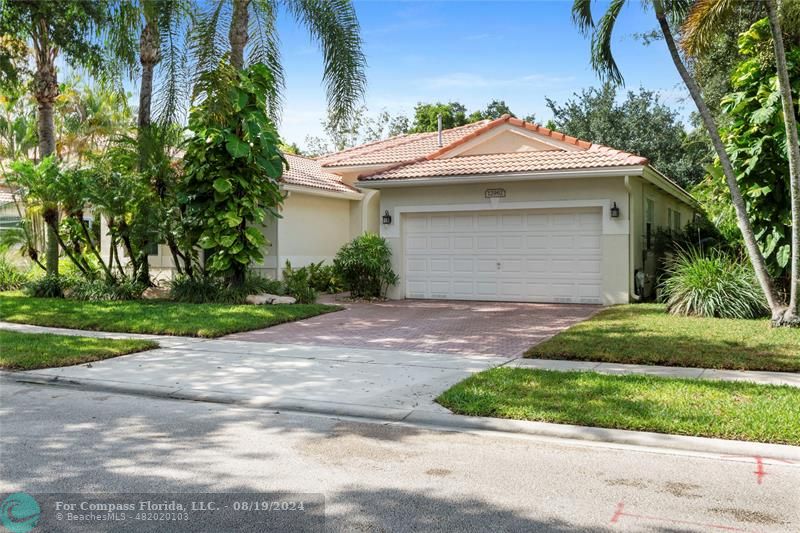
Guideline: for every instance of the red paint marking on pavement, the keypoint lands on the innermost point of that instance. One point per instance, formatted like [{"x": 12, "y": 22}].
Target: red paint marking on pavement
[
  {"x": 620, "y": 513},
  {"x": 759, "y": 471},
  {"x": 617, "y": 513}
]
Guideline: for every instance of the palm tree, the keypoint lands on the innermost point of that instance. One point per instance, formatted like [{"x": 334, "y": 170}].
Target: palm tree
[
  {"x": 160, "y": 40},
  {"x": 252, "y": 28},
  {"x": 68, "y": 27},
  {"x": 670, "y": 13},
  {"x": 701, "y": 25}
]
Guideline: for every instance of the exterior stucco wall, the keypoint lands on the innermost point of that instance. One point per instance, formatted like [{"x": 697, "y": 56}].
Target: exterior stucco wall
[
  {"x": 312, "y": 229},
  {"x": 641, "y": 192},
  {"x": 539, "y": 193}
]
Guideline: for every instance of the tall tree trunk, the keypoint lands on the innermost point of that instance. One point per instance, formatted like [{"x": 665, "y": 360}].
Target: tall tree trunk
[
  {"x": 240, "y": 21},
  {"x": 793, "y": 153},
  {"x": 742, "y": 220},
  {"x": 45, "y": 90},
  {"x": 149, "y": 56}
]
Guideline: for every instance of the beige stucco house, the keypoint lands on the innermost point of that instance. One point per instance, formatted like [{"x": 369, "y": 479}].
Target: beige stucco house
[
  {"x": 496, "y": 210},
  {"x": 319, "y": 214},
  {"x": 508, "y": 210}
]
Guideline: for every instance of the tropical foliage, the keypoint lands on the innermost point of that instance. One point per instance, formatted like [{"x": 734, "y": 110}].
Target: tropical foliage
[
  {"x": 712, "y": 284},
  {"x": 232, "y": 168},
  {"x": 365, "y": 266},
  {"x": 707, "y": 15},
  {"x": 755, "y": 138}
]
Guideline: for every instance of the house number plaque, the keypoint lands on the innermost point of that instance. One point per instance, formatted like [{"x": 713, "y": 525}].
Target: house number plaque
[{"x": 495, "y": 193}]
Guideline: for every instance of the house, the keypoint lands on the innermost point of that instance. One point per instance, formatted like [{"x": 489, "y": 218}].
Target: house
[
  {"x": 495, "y": 210},
  {"x": 511, "y": 211},
  {"x": 319, "y": 214}
]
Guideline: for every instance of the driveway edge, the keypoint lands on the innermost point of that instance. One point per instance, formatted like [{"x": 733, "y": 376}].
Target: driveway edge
[{"x": 431, "y": 419}]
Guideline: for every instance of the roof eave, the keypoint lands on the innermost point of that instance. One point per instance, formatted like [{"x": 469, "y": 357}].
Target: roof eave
[
  {"x": 632, "y": 170},
  {"x": 326, "y": 193},
  {"x": 663, "y": 182}
]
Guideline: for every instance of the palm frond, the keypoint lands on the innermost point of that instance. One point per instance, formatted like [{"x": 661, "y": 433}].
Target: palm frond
[
  {"x": 582, "y": 16},
  {"x": 207, "y": 43},
  {"x": 121, "y": 37},
  {"x": 173, "y": 73},
  {"x": 602, "y": 59},
  {"x": 264, "y": 47},
  {"x": 703, "y": 22},
  {"x": 334, "y": 25}
]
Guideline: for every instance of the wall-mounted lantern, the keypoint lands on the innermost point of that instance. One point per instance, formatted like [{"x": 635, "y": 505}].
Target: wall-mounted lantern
[
  {"x": 387, "y": 218},
  {"x": 614, "y": 211}
]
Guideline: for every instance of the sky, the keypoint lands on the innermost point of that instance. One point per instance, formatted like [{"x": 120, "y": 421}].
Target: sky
[{"x": 472, "y": 52}]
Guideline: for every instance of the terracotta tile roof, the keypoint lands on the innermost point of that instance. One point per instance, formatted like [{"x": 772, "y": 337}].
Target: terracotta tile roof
[
  {"x": 305, "y": 172},
  {"x": 398, "y": 149},
  {"x": 508, "y": 163},
  {"x": 581, "y": 154}
]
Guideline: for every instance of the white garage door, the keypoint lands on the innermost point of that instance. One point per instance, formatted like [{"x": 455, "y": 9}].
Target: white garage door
[{"x": 541, "y": 255}]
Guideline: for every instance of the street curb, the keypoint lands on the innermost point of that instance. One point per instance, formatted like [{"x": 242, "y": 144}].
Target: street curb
[{"x": 431, "y": 419}]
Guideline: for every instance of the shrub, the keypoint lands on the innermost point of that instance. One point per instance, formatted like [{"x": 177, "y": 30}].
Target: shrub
[
  {"x": 47, "y": 286},
  {"x": 711, "y": 285},
  {"x": 11, "y": 278},
  {"x": 298, "y": 284},
  {"x": 103, "y": 290},
  {"x": 210, "y": 289},
  {"x": 323, "y": 278},
  {"x": 364, "y": 266}
]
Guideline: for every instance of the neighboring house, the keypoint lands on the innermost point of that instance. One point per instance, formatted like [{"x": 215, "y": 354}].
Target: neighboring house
[{"x": 510, "y": 211}]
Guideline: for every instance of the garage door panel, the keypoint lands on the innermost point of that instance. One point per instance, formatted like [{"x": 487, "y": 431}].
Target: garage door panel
[
  {"x": 487, "y": 242},
  {"x": 416, "y": 265},
  {"x": 417, "y": 243},
  {"x": 463, "y": 265},
  {"x": 543, "y": 255},
  {"x": 486, "y": 221},
  {"x": 486, "y": 265},
  {"x": 440, "y": 242},
  {"x": 440, "y": 266}
]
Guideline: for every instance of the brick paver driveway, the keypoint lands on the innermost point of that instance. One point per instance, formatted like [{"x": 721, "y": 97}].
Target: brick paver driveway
[{"x": 469, "y": 328}]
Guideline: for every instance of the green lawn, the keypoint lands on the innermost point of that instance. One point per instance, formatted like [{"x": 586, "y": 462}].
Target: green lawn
[
  {"x": 646, "y": 334},
  {"x": 728, "y": 410},
  {"x": 158, "y": 317},
  {"x": 28, "y": 351}
]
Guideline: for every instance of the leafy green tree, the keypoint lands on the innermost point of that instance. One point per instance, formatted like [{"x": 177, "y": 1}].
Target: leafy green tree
[
  {"x": 232, "y": 168},
  {"x": 88, "y": 118},
  {"x": 426, "y": 116},
  {"x": 704, "y": 20},
  {"x": 495, "y": 110},
  {"x": 755, "y": 137},
  {"x": 252, "y": 31},
  {"x": 17, "y": 124},
  {"x": 670, "y": 14},
  {"x": 69, "y": 28},
  {"x": 359, "y": 129},
  {"x": 641, "y": 124}
]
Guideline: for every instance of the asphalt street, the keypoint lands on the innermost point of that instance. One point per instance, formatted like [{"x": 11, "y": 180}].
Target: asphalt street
[{"x": 381, "y": 476}]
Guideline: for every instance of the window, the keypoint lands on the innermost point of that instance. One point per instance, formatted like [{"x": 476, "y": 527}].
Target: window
[
  {"x": 676, "y": 220},
  {"x": 10, "y": 222},
  {"x": 649, "y": 221}
]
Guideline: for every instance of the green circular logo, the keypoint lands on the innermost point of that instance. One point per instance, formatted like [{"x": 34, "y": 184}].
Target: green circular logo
[{"x": 20, "y": 512}]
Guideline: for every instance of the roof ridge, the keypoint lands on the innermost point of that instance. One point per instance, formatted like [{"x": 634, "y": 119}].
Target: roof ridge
[
  {"x": 360, "y": 146},
  {"x": 409, "y": 137}
]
